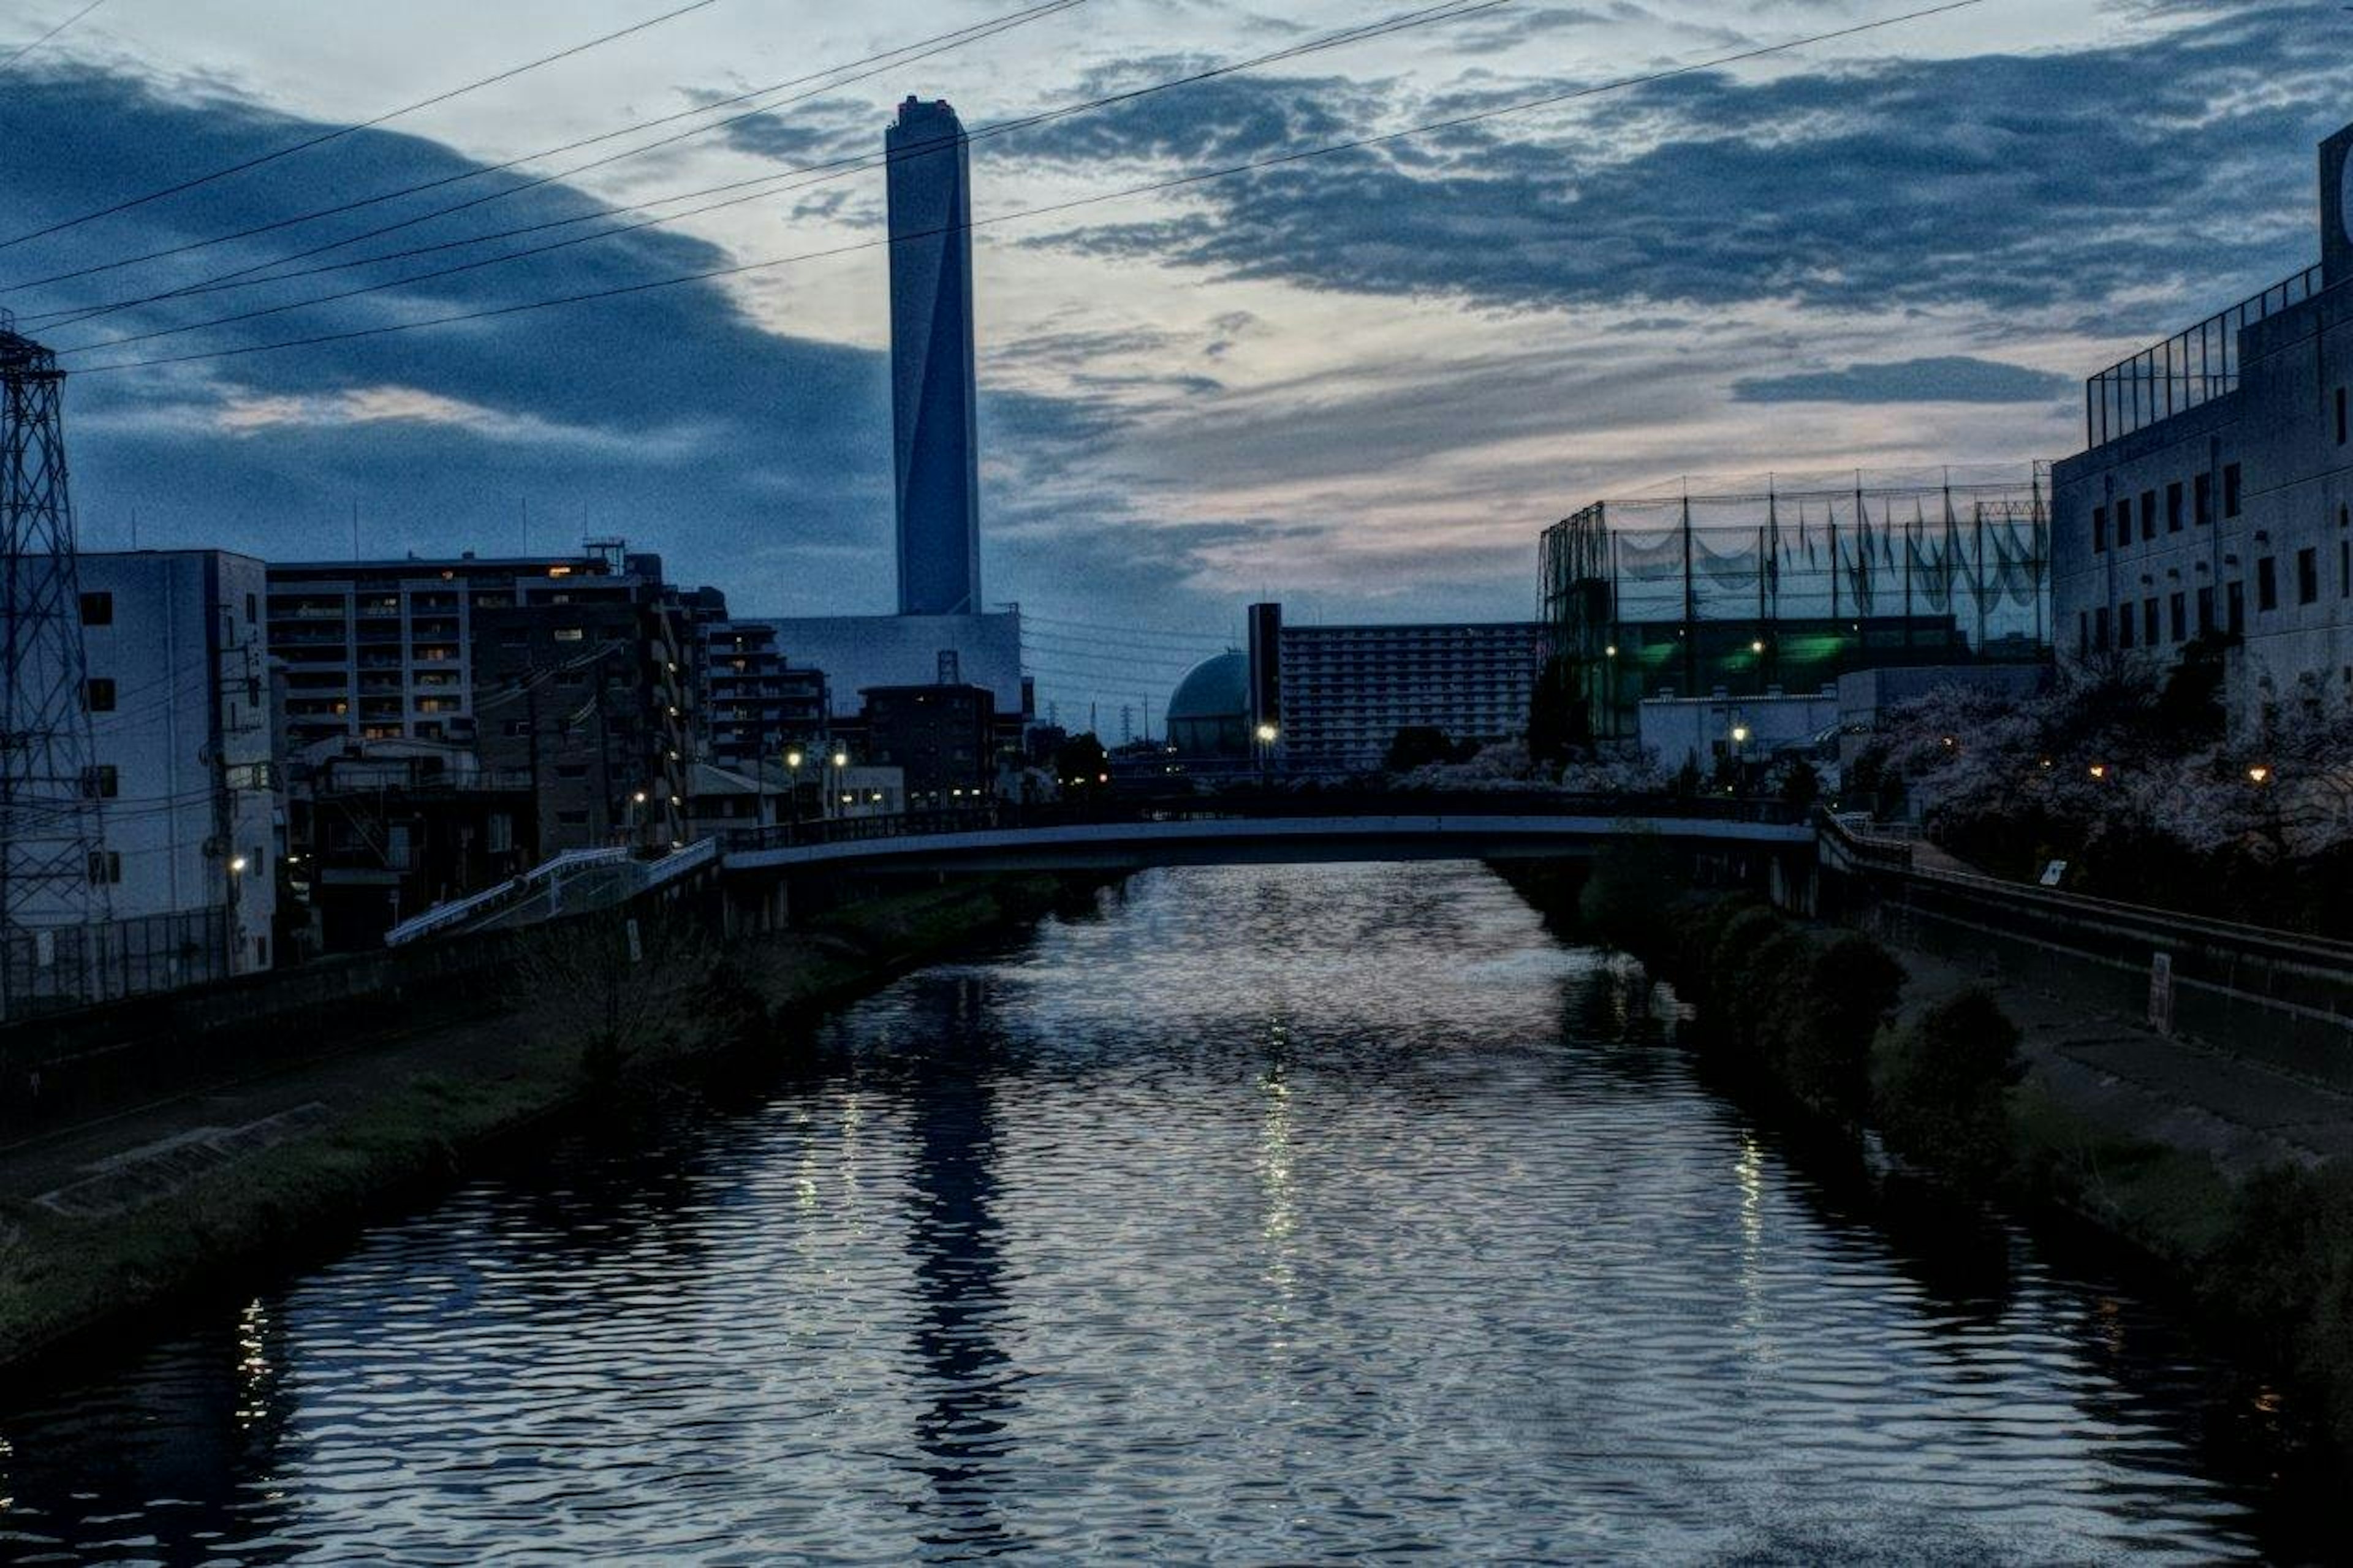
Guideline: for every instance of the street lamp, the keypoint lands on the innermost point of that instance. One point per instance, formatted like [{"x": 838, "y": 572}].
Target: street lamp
[
  {"x": 793, "y": 760},
  {"x": 2260, "y": 774}
]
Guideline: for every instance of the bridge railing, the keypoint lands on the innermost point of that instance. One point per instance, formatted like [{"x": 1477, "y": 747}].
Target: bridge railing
[{"x": 1004, "y": 815}]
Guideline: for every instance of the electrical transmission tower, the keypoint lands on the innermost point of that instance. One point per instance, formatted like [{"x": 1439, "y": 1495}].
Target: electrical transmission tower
[{"x": 51, "y": 838}]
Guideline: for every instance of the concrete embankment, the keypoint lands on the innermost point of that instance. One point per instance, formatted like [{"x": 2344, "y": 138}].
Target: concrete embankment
[{"x": 115, "y": 1216}]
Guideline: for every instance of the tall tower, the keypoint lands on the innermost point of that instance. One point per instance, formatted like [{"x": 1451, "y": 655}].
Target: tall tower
[
  {"x": 51, "y": 840},
  {"x": 932, "y": 388}
]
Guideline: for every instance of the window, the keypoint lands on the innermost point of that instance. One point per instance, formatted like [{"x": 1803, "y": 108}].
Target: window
[
  {"x": 518, "y": 727},
  {"x": 101, "y": 781},
  {"x": 2173, "y": 507},
  {"x": 105, "y": 867},
  {"x": 568, "y": 634},
  {"x": 2148, "y": 514},
  {"x": 97, "y": 695},
  {"x": 2234, "y": 606},
  {"x": 2307, "y": 577},
  {"x": 98, "y": 609},
  {"x": 2177, "y": 607},
  {"x": 2231, "y": 488},
  {"x": 2205, "y": 611},
  {"x": 2099, "y": 529},
  {"x": 2340, "y": 416},
  {"x": 252, "y": 609},
  {"x": 2152, "y": 630},
  {"x": 2202, "y": 499},
  {"x": 572, "y": 818},
  {"x": 571, "y": 769},
  {"x": 2125, "y": 626},
  {"x": 2267, "y": 584},
  {"x": 2124, "y": 519},
  {"x": 2082, "y": 632}
]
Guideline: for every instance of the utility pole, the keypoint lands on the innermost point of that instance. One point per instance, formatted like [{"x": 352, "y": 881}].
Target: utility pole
[{"x": 53, "y": 865}]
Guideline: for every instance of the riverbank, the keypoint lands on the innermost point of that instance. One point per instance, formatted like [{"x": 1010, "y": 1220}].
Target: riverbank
[
  {"x": 107, "y": 1226},
  {"x": 2224, "y": 1183}
]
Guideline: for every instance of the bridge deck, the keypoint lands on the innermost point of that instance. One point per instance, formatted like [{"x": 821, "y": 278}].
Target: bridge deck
[{"x": 1257, "y": 841}]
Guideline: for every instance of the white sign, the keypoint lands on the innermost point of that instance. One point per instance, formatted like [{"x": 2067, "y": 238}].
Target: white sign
[
  {"x": 2160, "y": 993},
  {"x": 2054, "y": 873},
  {"x": 636, "y": 947}
]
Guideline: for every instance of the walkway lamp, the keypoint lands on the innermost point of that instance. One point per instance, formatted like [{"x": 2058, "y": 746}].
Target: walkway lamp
[{"x": 2259, "y": 775}]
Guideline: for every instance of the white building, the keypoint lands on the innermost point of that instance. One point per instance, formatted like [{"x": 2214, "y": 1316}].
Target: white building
[
  {"x": 2216, "y": 494},
  {"x": 1342, "y": 693},
  {"x": 180, "y": 715}
]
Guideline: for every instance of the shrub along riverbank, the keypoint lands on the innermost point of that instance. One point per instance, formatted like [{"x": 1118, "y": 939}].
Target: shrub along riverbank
[
  {"x": 586, "y": 1031},
  {"x": 1809, "y": 1017}
]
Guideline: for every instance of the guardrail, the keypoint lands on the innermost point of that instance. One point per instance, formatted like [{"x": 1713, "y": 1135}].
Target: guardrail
[
  {"x": 1004, "y": 815},
  {"x": 442, "y": 917}
]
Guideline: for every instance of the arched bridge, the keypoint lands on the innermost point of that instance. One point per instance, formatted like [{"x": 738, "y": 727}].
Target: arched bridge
[{"x": 1273, "y": 829}]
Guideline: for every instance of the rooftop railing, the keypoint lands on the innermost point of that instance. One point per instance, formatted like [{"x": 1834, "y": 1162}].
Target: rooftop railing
[{"x": 2185, "y": 370}]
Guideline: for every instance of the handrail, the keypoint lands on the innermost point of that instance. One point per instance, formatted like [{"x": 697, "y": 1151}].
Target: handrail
[
  {"x": 514, "y": 890},
  {"x": 2319, "y": 948},
  {"x": 1008, "y": 815},
  {"x": 2190, "y": 368}
]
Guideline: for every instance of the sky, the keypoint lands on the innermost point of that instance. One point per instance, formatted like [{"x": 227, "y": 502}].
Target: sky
[{"x": 1361, "y": 383}]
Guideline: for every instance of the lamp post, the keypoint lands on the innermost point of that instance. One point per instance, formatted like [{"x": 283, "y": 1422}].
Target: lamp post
[
  {"x": 841, "y": 761},
  {"x": 793, "y": 760},
  {"x": 1267, "y": 736}
]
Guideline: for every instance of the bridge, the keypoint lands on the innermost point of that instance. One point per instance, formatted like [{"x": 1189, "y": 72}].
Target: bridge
[
  {"x": 1263, "y": 829},
  {"x": 753, "y": 869}
]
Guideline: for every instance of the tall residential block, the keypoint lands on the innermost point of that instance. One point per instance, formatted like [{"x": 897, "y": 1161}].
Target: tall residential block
[{"x": 931, "y": 384}]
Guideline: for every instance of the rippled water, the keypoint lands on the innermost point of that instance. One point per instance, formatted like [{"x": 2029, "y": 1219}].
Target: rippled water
[{"x": 1274, "y": 1214}]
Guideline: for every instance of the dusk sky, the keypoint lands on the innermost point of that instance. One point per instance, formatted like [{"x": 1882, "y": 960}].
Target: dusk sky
[{"x": 1360, "y": 383}]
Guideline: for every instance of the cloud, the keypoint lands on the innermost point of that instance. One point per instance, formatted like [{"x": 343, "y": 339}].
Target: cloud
[
  {"x": 1949, "y": 379},
  {"x": 670, "y": 415},
  {"x": 2015, "y": 183}
]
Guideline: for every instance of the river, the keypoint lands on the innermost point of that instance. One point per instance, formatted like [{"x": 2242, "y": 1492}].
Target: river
[{"x": 1267, "y": 1214}]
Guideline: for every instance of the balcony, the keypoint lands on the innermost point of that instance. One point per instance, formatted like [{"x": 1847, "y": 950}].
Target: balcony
[{"x": 2185, "y": 370}]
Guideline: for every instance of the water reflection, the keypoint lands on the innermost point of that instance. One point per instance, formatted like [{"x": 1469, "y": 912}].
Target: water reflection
[
  {"x": 1294, "y": 1216},
  {"x": 966, "y": 1383}
]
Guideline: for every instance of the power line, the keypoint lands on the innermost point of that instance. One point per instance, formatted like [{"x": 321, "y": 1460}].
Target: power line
[
  {"x": 1171, "y": 633},
  {"x": 890, "y": 59},
  {"x": 824, "y": 173},
  {"x": 324, "y": 137},
  {"x": 52, "y": 33},
  {"x": 1177, "y": 183}
]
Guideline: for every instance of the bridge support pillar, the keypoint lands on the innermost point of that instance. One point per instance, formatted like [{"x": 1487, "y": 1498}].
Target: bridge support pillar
[{"x": 760, "y": 908}]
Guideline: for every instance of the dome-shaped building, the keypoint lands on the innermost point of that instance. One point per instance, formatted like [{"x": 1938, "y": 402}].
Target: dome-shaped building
[{"x": 1209, "y": 716}]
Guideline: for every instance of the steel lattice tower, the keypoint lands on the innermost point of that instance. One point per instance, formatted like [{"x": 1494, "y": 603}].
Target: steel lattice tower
[{"x": 50, "y": 830}]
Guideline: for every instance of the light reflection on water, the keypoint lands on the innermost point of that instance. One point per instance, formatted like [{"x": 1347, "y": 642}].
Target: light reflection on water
[{"x": 1275, "y": 1215}]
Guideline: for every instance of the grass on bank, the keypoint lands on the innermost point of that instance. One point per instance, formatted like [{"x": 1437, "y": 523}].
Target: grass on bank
[{"x": 1807, "y": 1016}]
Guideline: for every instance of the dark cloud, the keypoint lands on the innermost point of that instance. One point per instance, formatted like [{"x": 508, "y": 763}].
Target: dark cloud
[
  {"x": 669, "y": 417},
  {"x": 1952, "y": 379},
  {"x": 2004, "y": 182}
]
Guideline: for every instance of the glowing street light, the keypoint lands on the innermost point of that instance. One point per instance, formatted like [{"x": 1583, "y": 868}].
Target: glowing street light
[
  {"x": 1740, "y": 734},
  {"x": 1267, "y": 734},
  {"x": 2260, "y": 774},
  {"x": 2099, "y": 770}
]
